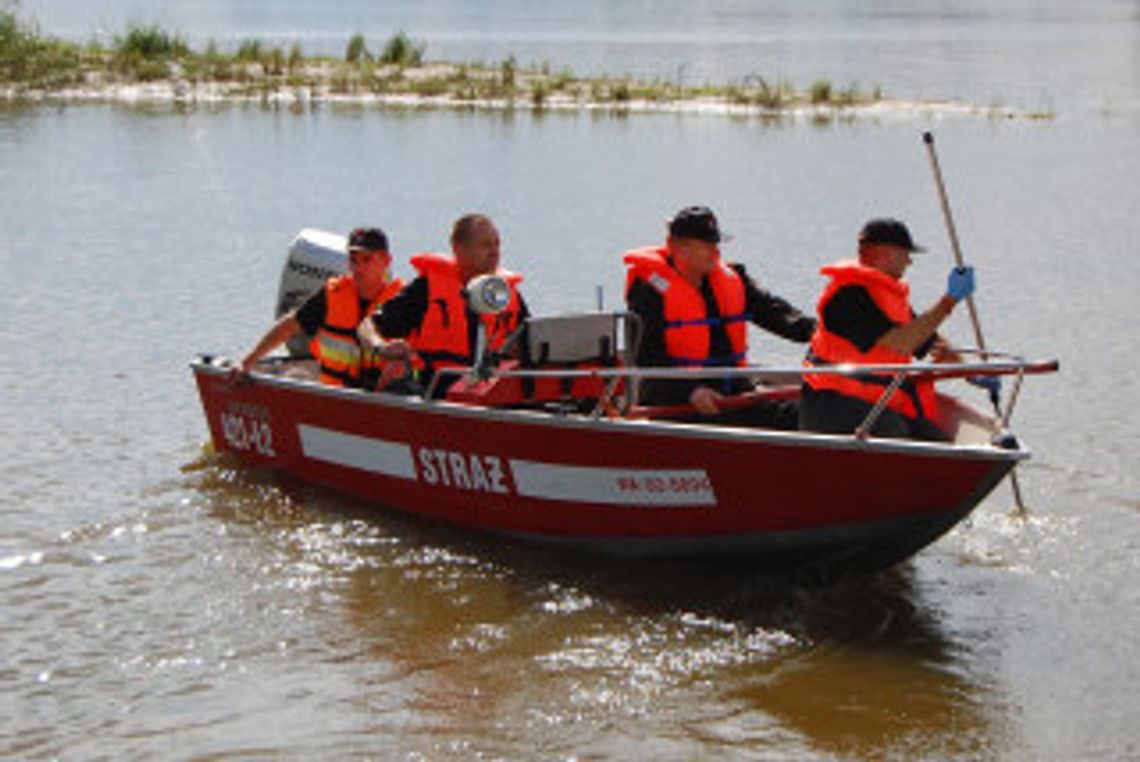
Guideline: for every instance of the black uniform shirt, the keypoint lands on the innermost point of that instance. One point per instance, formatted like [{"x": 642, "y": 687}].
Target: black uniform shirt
[
  {"x": 312, "y": 313},
  {"x": 403, "y": 314},
  {"x": 765, "y": 309},
  {"x": 852, "y": 314}
]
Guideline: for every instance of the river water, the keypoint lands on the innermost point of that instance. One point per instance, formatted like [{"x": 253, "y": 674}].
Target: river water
[{"x": 160, "y": 603}]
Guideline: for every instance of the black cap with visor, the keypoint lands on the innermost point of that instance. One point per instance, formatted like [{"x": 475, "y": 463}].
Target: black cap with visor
[
  {"x": 696, "y": 222},
  {"x": 367, "y": 239},
  {"x": 887, "y": 231}
]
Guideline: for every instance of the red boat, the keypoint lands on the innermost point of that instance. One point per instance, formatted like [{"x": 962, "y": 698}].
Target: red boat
[
  {"x": 551, "y": 454},
  {"x": 550, "y": 447}
]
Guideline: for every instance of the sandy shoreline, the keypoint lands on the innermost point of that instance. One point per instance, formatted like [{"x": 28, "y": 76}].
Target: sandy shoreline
[
  {"x": 186, "y": 94},
  {"x": 151, "y": 67}
]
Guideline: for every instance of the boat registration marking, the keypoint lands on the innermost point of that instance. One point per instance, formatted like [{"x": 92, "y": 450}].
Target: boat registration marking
[
  {"x": 638, "y": 487},
  {"x": 248, "y": 428},
  {"x": 367, "y": 454},
  {"x": 613, "y": 486}
]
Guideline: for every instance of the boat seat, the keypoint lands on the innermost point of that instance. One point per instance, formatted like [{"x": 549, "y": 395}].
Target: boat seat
[
  {"x": 563, "y": 342},
  {"x": 568, "y": 340}
]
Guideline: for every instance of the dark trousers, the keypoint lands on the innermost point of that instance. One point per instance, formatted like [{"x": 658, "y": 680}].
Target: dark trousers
[
  {"x": 780, "y": 414},
  {"x": 829, "y": 412}
]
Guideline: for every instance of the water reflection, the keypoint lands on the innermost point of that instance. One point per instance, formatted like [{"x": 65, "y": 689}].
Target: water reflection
[{"x": 478, "y": 644}]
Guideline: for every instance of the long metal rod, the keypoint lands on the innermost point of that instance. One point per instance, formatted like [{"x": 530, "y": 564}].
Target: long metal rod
[
  {"x": 959, "y": 261},
  {"x": 1012, "y": 401},
  {"x": 1016, "y": 366},
  {"x": 864, "y": 429},
  {"x": 938, "y": 370},
  {"x": 928, "y": 139}
]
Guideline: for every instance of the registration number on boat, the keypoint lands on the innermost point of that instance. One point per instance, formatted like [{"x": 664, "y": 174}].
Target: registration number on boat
[
  {"x": 661, "y": 484},
  {"x": 247, "y": 429}
]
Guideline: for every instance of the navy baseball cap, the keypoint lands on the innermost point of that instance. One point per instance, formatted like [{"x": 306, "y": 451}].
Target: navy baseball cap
[
  {"x": 367, "y": 239},
  {"x": 888, "y": 232},
  {"x": 696, "y": 222}
]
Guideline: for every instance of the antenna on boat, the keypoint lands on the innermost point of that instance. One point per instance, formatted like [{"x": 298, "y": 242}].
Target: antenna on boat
[{"x": 600, "y": 294}]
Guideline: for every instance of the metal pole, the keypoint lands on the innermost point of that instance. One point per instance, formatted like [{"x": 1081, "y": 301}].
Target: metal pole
[
  {"x": 864, "y": 429},
  {"x": 928, "y": 139}
]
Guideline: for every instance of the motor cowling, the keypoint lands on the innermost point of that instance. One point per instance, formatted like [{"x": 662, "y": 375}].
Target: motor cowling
[{"x": 314, "y": 257}]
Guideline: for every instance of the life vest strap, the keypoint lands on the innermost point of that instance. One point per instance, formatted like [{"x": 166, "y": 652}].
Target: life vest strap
[
  {"x": 431, "y": 357},
  {"x": 346, "y": 379},
  {"x": 722, "y": 361},
  {"x": 708, "y": 320},
  {"x": 348, "y": 333}
]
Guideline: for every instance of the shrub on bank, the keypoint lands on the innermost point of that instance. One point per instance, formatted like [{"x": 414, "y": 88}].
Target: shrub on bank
[
  {"x": 26, "y": 58},
  {"x": 403, "y": 51},
  {"x": 356, "y": 51},
  {"x": 296, "y": 57},
  {"x": 147, "y": 52},
  {"x": 249, "y": 51},
  {"x": 821, "y": 91}
]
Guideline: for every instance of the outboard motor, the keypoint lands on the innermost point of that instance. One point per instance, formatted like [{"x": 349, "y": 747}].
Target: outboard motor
[{"x": 314, "y": 257}]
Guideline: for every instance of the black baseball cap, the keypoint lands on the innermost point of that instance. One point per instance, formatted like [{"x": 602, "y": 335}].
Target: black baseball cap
[
  {"x": 890, "y": 232},
  {"x": 696, "y": 222},
  {"x": 367, "y": 239}
]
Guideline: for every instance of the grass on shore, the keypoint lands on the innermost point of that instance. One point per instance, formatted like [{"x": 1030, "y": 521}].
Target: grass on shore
[
  {"x": 31, "y": 63},
  {"x": 26, "y": 57}
]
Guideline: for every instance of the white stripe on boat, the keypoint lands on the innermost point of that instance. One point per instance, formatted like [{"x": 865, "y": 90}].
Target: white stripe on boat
[
  {"x": 548, "y": 481},
  {"x": 613, "y": 486},
  {"x": 365, "y": 453}
]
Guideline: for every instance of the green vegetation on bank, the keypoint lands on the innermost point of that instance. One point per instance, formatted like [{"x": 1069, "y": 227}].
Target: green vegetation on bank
[
  {"x": 26, "y": 57},
  {"x": 31, "y": 63}
]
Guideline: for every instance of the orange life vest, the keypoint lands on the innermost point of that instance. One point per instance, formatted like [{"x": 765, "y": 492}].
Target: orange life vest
[
  {"x": 915, "y": 399},
  {"x": 334, "y": 344},
  {"x": 687, "y": 322},
  {"x": 441, "y": 341}
]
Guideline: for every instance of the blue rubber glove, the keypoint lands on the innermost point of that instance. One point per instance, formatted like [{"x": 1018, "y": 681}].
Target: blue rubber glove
[
  {"x": 960, "y": 284},
  {"x": 991, "y": 384}
]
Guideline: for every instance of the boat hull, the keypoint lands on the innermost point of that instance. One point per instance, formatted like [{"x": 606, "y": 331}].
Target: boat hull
[{"x": 620, "y": 487}]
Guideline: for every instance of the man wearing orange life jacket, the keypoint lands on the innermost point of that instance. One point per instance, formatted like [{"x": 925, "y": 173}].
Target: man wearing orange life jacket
[
  {"x": 865, "y": 317},
  {"x": 331, "y": 316},
  {"x": 694, "y": 312},
  {"x": 429, "y": 323}
]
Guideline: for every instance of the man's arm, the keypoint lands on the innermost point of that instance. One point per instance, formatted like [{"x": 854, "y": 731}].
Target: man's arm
[
  {"x": 398, "y": 317},
  {"x": 383, "y": 331},
  {"x": 308, "y": 318},
  {"x": 277, "y": 335},
  {"x": 853, "y": 314},
  {"x": 644, "y": 301},
  {"x": 773, "y": 313},
  {"x": 910, "y": 337}
]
